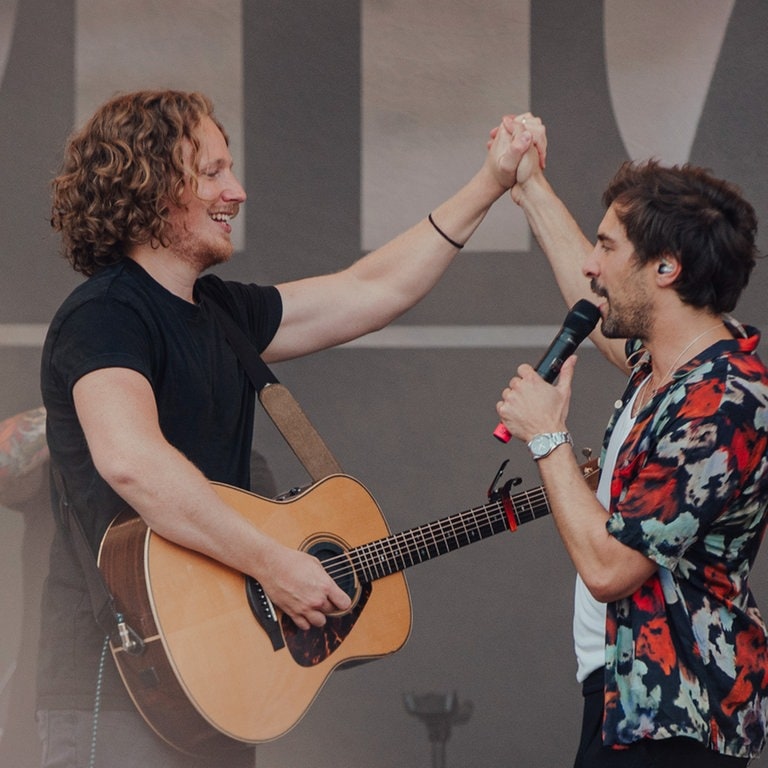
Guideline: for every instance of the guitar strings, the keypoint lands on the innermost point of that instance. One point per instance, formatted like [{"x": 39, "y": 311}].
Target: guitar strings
[{"x": 415, "y": 545}]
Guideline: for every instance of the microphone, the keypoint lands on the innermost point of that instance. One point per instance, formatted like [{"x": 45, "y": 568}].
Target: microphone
[{"x": 578, "y": 324}]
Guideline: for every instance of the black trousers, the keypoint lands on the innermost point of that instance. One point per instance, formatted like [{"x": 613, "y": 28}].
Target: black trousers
[{"x": 678, "y": 752}]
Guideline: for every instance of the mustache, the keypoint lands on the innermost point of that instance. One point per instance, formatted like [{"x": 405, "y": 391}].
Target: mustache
[{"x": 596, "y": 289}]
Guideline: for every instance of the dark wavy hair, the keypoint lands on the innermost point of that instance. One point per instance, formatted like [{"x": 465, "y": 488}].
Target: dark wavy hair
[
  {"x": 701, "y": 220},
  {"x": 122, "y": 171}
]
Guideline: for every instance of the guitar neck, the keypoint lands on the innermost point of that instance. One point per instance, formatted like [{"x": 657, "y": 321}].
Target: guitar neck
[{"x": 417, "y": 545}]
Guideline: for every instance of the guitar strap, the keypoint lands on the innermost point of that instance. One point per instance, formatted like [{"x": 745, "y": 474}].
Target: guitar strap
[
  {"x": 278, "y": 402},
  {"x": 102, "y": 603},
  {"x": 287, "y": 416}
]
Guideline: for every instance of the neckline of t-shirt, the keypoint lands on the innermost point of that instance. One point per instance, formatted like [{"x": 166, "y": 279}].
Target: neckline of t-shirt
[{"x": 192, "y": 310}]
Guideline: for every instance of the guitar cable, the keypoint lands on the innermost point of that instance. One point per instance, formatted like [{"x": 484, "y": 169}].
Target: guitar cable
[{"x": 97, "y": 703}]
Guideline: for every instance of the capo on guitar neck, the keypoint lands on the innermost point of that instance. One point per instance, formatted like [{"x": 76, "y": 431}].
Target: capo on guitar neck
[{"x": 494, "y": 493}]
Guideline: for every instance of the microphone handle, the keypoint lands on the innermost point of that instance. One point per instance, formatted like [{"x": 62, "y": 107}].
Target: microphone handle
[{"x": 548, "y": 368}]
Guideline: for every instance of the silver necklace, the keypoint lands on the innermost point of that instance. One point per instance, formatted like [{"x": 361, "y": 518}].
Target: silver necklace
[{"x": 646, "y": 398}]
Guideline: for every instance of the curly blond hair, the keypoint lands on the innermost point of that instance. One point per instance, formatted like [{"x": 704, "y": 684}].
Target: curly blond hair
[{"x": 122, "y": 171}]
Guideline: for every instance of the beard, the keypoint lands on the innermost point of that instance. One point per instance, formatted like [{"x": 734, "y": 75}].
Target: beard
[
  {"x": 199, "y": 252},
  {"x": 629, "y": 316}
]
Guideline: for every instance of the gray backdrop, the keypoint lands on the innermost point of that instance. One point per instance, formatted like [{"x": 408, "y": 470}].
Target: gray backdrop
[{"x": 411, "y": 420}]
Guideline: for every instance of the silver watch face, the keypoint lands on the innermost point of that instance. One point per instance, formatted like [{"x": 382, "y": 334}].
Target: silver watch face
[{"x": 541, "y": 444}]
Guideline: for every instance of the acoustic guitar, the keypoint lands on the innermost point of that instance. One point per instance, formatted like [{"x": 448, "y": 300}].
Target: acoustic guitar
[{"x": 209, "y": 662}]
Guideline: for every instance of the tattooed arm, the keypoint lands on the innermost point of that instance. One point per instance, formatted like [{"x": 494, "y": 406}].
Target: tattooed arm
[{"x": 23, "y": 456}]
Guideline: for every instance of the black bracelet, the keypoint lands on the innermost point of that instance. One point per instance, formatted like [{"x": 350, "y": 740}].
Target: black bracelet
[{"x": 440, "y": 232}]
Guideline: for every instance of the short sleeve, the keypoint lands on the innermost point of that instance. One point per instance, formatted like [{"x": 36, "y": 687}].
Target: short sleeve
[
  {"x": 259, "y": 309},
  {"x": 679, "y": 490},
  {"x": 100, "y": 334}
]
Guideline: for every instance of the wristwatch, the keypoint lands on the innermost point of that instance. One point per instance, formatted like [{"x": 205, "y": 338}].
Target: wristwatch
[{"x": 542, "y": 445}]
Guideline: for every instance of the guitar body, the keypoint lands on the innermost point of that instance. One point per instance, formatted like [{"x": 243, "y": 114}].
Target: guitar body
[{"x": 217, "y": 672}]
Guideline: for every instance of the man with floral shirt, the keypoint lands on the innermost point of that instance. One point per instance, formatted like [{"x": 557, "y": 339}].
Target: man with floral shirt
[{"x": 675, "y": 664}]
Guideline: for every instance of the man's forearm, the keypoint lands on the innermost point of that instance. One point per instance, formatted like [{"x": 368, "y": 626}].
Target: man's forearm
[
  {"x": 567, "y": 248},
  {"x": 559, "y": 236}
]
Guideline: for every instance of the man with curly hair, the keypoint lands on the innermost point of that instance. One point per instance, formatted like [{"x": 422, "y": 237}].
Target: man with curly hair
[
  {"x": 671, "y": 648},
  {"x": 146, "y": 401}
]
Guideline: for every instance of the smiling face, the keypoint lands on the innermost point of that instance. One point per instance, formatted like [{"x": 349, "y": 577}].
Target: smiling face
[
  {"x": 617, "y": 275},
  {"x": 200, "y": 230}
]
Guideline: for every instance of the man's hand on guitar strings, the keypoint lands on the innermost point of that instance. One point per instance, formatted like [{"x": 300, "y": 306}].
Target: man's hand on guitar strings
[{"x": 298, "y": 584}]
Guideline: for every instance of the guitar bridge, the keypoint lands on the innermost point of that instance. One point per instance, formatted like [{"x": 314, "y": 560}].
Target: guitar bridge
[{"x": 264, "y": 612}]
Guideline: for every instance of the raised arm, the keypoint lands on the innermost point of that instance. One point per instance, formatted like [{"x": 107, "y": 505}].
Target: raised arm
[
  {"x": 323, "y": 311},
  {"x": 561, "y": 239}
]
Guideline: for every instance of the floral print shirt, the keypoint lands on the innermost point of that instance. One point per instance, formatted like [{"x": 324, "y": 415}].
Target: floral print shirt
[{"x": 687, "y": 654}]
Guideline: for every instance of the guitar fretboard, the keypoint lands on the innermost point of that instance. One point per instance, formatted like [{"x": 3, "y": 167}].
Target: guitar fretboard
[{"x": 416, "y": 545}]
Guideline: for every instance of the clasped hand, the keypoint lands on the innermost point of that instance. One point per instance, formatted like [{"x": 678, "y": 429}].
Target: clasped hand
[{"x": 517, "y": 149}]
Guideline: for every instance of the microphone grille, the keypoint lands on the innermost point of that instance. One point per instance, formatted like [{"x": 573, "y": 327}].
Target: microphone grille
[{"x": 582, "y": 318}]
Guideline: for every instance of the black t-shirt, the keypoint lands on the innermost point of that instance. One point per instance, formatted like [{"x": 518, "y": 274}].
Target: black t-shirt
[{"x": 121, "y": 317}]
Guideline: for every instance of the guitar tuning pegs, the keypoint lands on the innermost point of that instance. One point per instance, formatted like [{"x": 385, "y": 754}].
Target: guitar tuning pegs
[{"x": 586, "y": 453}]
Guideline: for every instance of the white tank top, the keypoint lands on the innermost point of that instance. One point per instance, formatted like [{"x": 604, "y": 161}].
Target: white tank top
[{"x": 588, "y": 613}]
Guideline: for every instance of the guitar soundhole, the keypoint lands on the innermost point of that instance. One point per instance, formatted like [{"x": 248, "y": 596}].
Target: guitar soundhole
[{"x": 331, "y": 555}]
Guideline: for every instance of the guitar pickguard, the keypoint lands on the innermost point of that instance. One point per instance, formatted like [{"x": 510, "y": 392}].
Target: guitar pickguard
[{"x": 312, "y": 646}]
